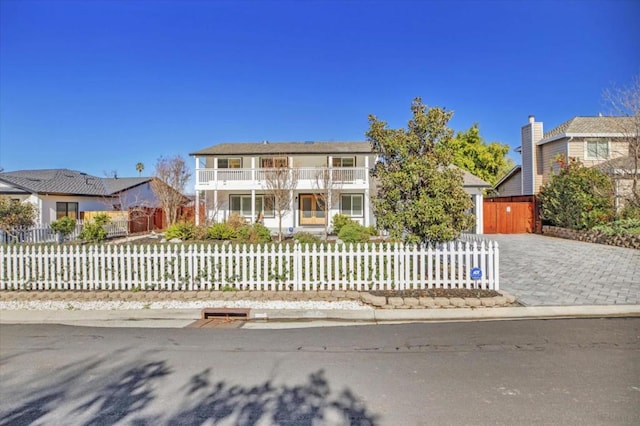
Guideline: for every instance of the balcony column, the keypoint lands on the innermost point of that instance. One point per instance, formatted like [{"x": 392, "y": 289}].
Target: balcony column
[
  {"x": 253, "y": 169},
  {"x": 253, "y": 206},
  {"x": 215, "y": 170},
  {"x": 328, "y": 188},
  {"x": 366, "y": 172},
  {"x": 366, "y": 207},
  {"x": 292, "y": 208},
  {"x": 197, "y": 206},
  {"x": 216, "y": 210}
]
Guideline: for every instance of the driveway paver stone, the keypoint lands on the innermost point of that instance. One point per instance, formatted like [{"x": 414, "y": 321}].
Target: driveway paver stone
[{"x": 548, "y": 271}]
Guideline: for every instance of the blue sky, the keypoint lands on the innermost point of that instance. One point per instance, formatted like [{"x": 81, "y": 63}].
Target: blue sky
[{"x": 99, "y": 86}]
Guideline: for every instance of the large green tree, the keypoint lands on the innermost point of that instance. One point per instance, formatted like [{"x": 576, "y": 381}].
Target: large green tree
[
  {"x": 472, "y": 153},
  {"x": 420, "y": 197}
]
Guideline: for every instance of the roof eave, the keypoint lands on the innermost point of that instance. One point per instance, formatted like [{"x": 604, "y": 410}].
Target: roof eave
[{"x": 581, "y": 135}]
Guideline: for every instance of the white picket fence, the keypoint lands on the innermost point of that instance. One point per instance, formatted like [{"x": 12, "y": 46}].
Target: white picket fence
[
  {"x": 374, "y": 266},
  {"x": 44, "y": 234}
]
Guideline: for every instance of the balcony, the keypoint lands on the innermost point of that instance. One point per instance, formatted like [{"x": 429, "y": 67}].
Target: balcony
[{"x": 309, "y": 178}]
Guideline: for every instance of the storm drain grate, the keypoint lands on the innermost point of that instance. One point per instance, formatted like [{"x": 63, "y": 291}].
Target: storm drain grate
[{"x": 221, "y": 318}]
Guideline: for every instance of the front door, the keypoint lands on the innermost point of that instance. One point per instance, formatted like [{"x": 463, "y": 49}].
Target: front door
[{"x": 311, "y": 210}]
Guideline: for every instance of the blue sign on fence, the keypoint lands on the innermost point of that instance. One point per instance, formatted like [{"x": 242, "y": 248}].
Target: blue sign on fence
[{"x": 476, "y": 273}]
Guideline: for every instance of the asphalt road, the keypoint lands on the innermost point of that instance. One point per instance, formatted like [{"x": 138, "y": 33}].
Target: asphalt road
[{"x": 569, "y": 372}]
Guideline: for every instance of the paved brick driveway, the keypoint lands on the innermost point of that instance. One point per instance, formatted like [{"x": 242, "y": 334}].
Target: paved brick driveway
[{"x": 541, "y": 270}]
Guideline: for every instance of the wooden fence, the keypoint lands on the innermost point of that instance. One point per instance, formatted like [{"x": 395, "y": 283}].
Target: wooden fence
[{"x": 374, "y": 266}]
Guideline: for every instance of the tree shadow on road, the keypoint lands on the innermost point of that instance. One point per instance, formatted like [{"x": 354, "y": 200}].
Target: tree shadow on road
[
  {"x": 105, "y": 391},
  {"x": 306, "y": 404}
]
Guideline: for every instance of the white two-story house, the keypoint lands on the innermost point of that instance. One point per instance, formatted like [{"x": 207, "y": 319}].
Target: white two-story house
[{"x": 234, "y": 178}]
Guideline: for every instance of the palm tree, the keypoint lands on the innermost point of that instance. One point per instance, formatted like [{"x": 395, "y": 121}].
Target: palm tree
[{"x": 139, "y": 168}]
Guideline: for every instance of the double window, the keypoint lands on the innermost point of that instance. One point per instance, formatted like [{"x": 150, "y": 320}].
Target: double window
[
  {"x": 343, "y": 162},
  {"x": 273, "y": 162},
  {"x": 597, "y": 150},
  {"x": 241, "y": 204},
  {"x": 352, "y": 205},
  {"x": 229, "y": 163},
  {"x": 66, "y": 209}
]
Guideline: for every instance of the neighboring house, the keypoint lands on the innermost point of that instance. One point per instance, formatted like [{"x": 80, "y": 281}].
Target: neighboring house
[
  {"x": 62, "y": 192},
  {"x": 622, "y": 171},
  {"x": 511, "y": 183},
  {"x": 232, "y": 178},
  {"x": 592, "y": 140}
]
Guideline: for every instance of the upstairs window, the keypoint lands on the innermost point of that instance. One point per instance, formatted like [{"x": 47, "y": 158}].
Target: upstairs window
[
  {"x": 597, "y": 150},
  {"x": 229, "y": 163},
  {"x": 274, "y": 162},
  {"x": 343, "y": 162}
]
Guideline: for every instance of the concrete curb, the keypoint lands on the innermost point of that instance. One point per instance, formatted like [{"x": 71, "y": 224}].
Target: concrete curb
[{"x": 178, "y": 318}]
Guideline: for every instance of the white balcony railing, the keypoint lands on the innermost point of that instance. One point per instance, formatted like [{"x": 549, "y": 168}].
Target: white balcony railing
[{"x": 208, "y": 177}]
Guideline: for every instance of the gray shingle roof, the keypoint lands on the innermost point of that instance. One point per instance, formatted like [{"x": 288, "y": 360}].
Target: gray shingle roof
[
  {"x": 592, "y": 126},
  {"x": 620, "y": 165},
  {"x": 115, "y": 185},
  {"x": 65, "y": 181},
  {"x": 471, "y": 180},
  {"x": 274, "y": 148}
]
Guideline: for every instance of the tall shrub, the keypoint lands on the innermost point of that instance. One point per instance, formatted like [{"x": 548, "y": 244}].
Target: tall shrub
[{"x": 577, "y": 197}]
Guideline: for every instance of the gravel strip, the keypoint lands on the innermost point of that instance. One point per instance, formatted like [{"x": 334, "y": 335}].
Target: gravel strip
[{"x": 72, "y": 305}]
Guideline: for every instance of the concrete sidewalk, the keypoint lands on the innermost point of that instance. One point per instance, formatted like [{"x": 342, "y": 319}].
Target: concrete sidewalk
[{"x": 268, "y": 318}]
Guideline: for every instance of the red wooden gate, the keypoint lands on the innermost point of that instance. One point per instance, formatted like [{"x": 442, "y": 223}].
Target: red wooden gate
[{"x": 511, "y": 215}]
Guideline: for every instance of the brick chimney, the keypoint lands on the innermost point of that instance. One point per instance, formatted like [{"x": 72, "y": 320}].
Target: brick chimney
[{"x": 531, "y": 133}]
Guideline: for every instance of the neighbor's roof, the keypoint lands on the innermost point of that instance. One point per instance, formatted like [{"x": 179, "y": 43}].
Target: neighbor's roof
[
  {"x": 589, "y": 127},
  {"x": 280, "y": 148},
  {"x": 115, "y": 185},
  {"x": 618, "y": 166},
  {"x": 65, "y": 181},
  {"x": 471, "y": 180},
  {"x": 512, "y": 172}
]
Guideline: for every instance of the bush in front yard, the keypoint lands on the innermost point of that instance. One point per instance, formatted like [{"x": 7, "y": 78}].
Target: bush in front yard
[
  {"x": 620, "y": 227},
  {"x": 94, "y": 232},
  {"x": 181, "y": 230},
  {"x": 306, "y": 238},
  {"x": 221, "y": 231},
  {"x": 256, "y": 233},
  {"x": 339, "y": 221},
  {"x": 64, "y": 226},
  {"x": 355, "y": 233}
]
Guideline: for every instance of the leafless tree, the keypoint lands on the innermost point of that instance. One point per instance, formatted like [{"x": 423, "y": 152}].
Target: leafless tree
[
  {"x": 280, "y": 181},
  {"x": 171, "y": 177},
  {"x": 625, "y": 101},
  {"x": 328, "y": 185}
]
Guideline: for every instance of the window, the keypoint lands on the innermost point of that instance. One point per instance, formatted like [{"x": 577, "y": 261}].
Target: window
[
  {"x": 241, "y": 204},
  {"x": 351, "y": 205},
  {"x": 343, "y": 162},
  {"x": 597, "y": 150},
  {"x": 67, "y": 209},
  {"x": 229, "y": 163},
  {"x": 273, "y": 162}
]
